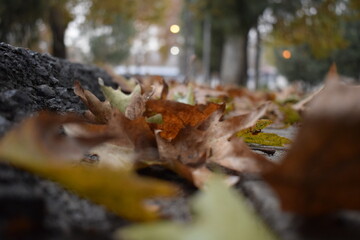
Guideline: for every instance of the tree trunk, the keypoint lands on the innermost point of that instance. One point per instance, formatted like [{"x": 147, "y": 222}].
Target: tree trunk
[
  {"x": 234, "y": 63},
  {"x": 257, "y": 57},
  {"x": 58, "y": 24},
  {"x": 186, "y": 64},
  {"x": 207, "y": 48}
]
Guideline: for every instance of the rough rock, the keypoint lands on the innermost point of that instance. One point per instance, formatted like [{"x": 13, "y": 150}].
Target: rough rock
[
  {"x": 30, "y": 207},
  {"x": 30, "y": 82}
]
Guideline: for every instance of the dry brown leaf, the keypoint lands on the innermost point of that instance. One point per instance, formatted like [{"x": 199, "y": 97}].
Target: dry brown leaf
[
  {"x": 177, "y": 115},
  {"x": 136, "y": 106},
  {"x": 320, "y": 173},
  {"x": 137, "y": 132},
  {"x": 132, "y": 141},
  {"x": 212, "y": 141},
  {"x": 229, "y": 151},
  {"x": 98, "y": 111}
]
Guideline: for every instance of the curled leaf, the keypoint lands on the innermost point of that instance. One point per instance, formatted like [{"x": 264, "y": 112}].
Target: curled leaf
[{"x": 98, "y": 111}]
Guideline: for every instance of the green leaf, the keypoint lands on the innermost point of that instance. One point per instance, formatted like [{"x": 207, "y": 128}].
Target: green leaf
[
  {"x": 117, "y": 98},
  {"x": 219, "y": 213},
  {"x": 37, "y": 146},
  {"x": 254, "y": 135},
  {"x": 189, "y": 98}
]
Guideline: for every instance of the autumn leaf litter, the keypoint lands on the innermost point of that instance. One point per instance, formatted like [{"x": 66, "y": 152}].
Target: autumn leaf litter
[{"x": 197, "y": 134}]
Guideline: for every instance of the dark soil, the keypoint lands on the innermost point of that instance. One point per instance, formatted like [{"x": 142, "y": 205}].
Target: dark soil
[
  {"x": 30, "y": 207},
  {"x": 34, "y": 208}
]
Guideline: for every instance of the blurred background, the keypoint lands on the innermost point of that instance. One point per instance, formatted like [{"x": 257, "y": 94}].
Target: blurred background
[{"x": 263, "y": 44}]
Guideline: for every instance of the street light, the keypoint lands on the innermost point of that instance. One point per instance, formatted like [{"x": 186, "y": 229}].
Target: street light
[
  {"x": 286, "y": 54},
  {"x": 174, "y": 50},
  {"x": 174, "y": 28}
]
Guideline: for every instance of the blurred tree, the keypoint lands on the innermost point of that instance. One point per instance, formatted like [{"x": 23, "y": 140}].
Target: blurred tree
[
  {"x": 348, "y": 59},
  {"x": 233, "y": 20},
  {"x": 19, "y": 21},
  {"x": 106, "y": 12},
  {"x": 113, "y": 44},
  {"x": 315, "y": 23},
  {"x": 58, "y": 17},
  {"x": 317, "y": 33},
  {"x": 115, "y": 23},
  {"x": 304, "y": 65}
]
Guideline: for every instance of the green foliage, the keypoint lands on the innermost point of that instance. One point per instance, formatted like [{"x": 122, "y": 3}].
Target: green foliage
[
  {"x": 314, "y": 23},
  {"x": 348, "y": 59},
  {"x": 318, "y": 33},
  {"x": 254, "y": 135},
  {"x": 303, "y": 65},
  {"x": 118, "y": 18},
  {"x": 106, "y": 12},
  {"x": 219, "y": 213},
  {"x": 113, "y": 46}
]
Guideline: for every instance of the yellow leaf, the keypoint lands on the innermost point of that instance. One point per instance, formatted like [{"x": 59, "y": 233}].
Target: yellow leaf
[{"x": 38, "y": 146}]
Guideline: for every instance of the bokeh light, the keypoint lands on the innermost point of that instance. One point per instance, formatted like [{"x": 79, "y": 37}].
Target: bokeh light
[
  {"x": 174, "y": 28},
  {"x": 174, "y": 51},
  {"x": 286, "y": 54}
]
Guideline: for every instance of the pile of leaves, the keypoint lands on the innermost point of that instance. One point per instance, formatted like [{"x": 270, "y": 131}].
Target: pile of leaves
[{"x": 200, "y": 134}]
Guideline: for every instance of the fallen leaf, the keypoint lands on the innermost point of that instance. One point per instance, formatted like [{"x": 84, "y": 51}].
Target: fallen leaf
[
  {"x": 212, "y": 207},
  {"x": 212, "y": 141},
  {"x": 230, "y": 151},
  {"x": 254, "y": 135},
  {"x": 177, "y": 115},
  {"x": 301, "y": 105},
  {"x": 38, "y": 145},
  {"x": 98, "y": 111},
  {"x": 187, "y": 138},
  {"x": 132, "y": 105},
  {"x": 136, "y": 133},
  {"x": 320, "y": 173},
  {"x": 117, "y": 98}
]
